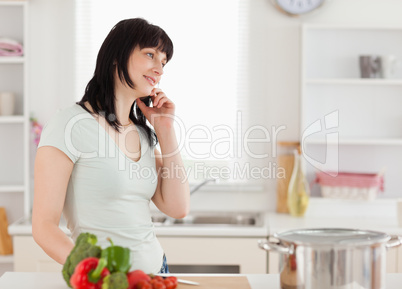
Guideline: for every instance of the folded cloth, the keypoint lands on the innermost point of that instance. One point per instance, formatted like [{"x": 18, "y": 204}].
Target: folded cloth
[{"x": 10, "y": 47}]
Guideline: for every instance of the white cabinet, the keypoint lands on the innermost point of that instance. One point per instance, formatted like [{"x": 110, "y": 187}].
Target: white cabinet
[
  {"x": 14, "y": 129},
  {"x": 29, "y": 257},
  {"x": 186, "y": 251},
  {"x": 208, "y": 252},
  {"x": 348, "y": 123}
]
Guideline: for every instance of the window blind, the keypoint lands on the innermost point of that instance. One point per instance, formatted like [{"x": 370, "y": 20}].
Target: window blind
[{"x": 207, "y": 77}]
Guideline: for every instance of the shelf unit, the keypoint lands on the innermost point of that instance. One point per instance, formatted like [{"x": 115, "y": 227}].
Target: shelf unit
[
  {"x": 12, "y": 59},
  {"x": 14, "y": 148},
  {"x": 354, "y": 81},
  {"x": 12, "y": 189},
  {"x": 358, "y": 141},
  {"x": 6, "y": 259},
  {"x": 12, "y": 119},
  {"x": 359, "y": 121}
]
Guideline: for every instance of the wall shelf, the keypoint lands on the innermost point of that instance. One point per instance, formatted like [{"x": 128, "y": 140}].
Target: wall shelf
[
  {"x": 6, "y": 259},
  {"x": 365, "y": 113},
  {"x": 12, "y": 119},
  {"x": 358, "y": 141},
  {"x": 351, "y": 27},
  {"x": 13, "y": 3},
  {"x": 12, "y": 189},
  {"x": 353, "y": 81},
  {"x": 12, "y": 59}
]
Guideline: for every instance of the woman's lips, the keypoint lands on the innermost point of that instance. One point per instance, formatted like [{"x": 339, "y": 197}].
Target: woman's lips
[{"x": 150, "y": 79}]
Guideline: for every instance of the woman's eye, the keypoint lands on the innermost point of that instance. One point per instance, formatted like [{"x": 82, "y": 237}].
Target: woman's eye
[
  {"x": 163, "y": 64},
  {"x": 150, "y": 55}
]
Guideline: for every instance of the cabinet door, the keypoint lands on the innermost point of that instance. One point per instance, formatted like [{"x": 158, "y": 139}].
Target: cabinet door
[
  {"x": 392, "y": 260},
  {"x": 242, "y": 252},
  {"x": 273, "y": 263},
  {"x": 399, "y": 260},
  {"x": 29, "y": 257}
]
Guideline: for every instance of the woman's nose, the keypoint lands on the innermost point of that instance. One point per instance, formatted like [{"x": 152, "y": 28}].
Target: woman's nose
[{"x": 158, "y": 69}]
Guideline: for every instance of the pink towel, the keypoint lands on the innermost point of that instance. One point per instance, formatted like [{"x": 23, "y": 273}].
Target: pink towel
[
  {"x": 10, "y": 47},
  {"x": 344, "y": 179}
]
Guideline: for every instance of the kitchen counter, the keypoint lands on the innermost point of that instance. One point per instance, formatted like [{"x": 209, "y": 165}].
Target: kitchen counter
[
  {"x": 378, "y": 215},
  {"x": 178, "y": 242},
  {"x": 283, "y": 222},
  {"x": 24, "y": 228},
  {"x": 13, "y": 280}
]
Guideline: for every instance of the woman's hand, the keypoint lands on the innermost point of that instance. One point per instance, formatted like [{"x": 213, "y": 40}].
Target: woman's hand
[{"x": 161, "y": 115}]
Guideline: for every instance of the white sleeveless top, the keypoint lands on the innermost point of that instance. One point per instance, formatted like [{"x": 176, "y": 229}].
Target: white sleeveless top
[{"x": 108, "y": 194}]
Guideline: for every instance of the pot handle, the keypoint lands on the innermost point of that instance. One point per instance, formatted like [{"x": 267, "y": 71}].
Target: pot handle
[
  {"x": 271, "y": 246},
  {"x": 395, "y": 241}
]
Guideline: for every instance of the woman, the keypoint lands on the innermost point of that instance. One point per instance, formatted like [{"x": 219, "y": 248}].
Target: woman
[{"x": 96, "y": 161}]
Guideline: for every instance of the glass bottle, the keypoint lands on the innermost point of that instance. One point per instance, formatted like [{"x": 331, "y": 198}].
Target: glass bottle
[
  {"x": 298, "y": 190},
  {"x": 286, "y": 162}
]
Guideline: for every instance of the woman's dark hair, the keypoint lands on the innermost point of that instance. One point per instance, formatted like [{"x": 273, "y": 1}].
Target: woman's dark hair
[{"x": 115, "y": 52}]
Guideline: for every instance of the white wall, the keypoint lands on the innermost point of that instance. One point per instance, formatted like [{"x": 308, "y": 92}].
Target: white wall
[
  {"x": 51, "y": 60},
  {"x": 51, "y": 66},
  {"x": 274, "y": 58},
  {"x": 275, "y": 47}
]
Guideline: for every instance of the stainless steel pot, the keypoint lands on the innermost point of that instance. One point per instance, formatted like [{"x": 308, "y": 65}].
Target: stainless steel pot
[{"x": 331, "y": 258}]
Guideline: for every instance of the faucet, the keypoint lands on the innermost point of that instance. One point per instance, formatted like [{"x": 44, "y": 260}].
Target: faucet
[
  {"x": 170, "y": 220},
  {"x": 197, "y": 187}
]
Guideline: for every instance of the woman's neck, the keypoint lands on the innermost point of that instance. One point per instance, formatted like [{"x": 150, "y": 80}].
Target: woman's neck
[{"x": 124, "y": 99}]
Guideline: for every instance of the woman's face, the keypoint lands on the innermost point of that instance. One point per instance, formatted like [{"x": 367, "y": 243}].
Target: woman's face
[{"x": 145, "y": 68}]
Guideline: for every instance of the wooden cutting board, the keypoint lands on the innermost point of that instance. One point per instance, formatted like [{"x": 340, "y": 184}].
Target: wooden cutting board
[
  {"x": 240, "y": 282},
  {"x": 6, "y": 245},
  {"x": 286, "y": 162}
]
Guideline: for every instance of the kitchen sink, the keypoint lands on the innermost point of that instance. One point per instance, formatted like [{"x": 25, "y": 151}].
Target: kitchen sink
[
  {"x": 159, "y": 220},
  {"x": 211, "y": 219}
]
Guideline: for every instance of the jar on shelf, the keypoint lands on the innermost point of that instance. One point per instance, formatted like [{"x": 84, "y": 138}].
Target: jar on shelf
[{"x": 7, "y": 103}]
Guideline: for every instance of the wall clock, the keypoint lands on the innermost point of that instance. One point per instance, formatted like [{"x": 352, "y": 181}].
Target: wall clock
[{"x": 297, "y": 7}]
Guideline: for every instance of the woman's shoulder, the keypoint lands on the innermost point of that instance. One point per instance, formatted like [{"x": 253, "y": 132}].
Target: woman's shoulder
[
  {"x": 69, "y": 121},
  {"x": 68, "y": 116},
  {"x": 68, "y": 112},
  {"x": 63, "y": 131}
]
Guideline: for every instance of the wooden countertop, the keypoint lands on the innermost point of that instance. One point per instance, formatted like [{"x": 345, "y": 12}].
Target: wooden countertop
[{"x": 13, "y": 280}]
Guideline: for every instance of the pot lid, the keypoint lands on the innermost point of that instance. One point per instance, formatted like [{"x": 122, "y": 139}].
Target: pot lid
[{"x": 332, "y": 236}]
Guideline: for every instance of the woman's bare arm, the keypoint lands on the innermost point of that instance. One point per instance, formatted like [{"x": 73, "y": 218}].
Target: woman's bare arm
[
  {"x": 52, "y": 172},
  {"x": 172, "y": 195}
]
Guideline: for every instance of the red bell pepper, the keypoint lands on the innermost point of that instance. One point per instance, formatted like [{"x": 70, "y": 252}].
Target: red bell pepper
[{"x": 89, "y": 274}]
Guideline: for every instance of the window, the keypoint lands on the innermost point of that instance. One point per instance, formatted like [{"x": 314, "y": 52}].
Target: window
[{"x": 206, "y": 78}]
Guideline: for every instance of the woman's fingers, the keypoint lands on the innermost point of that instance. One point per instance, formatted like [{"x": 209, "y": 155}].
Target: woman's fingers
[
  {"x": 159, "y": 98},
  {"x": 161, "y": 105},
  {"x": 156, "y": 90},
  {"x": 162, "y": 101},
  {"x": 156, "y": 96}
]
